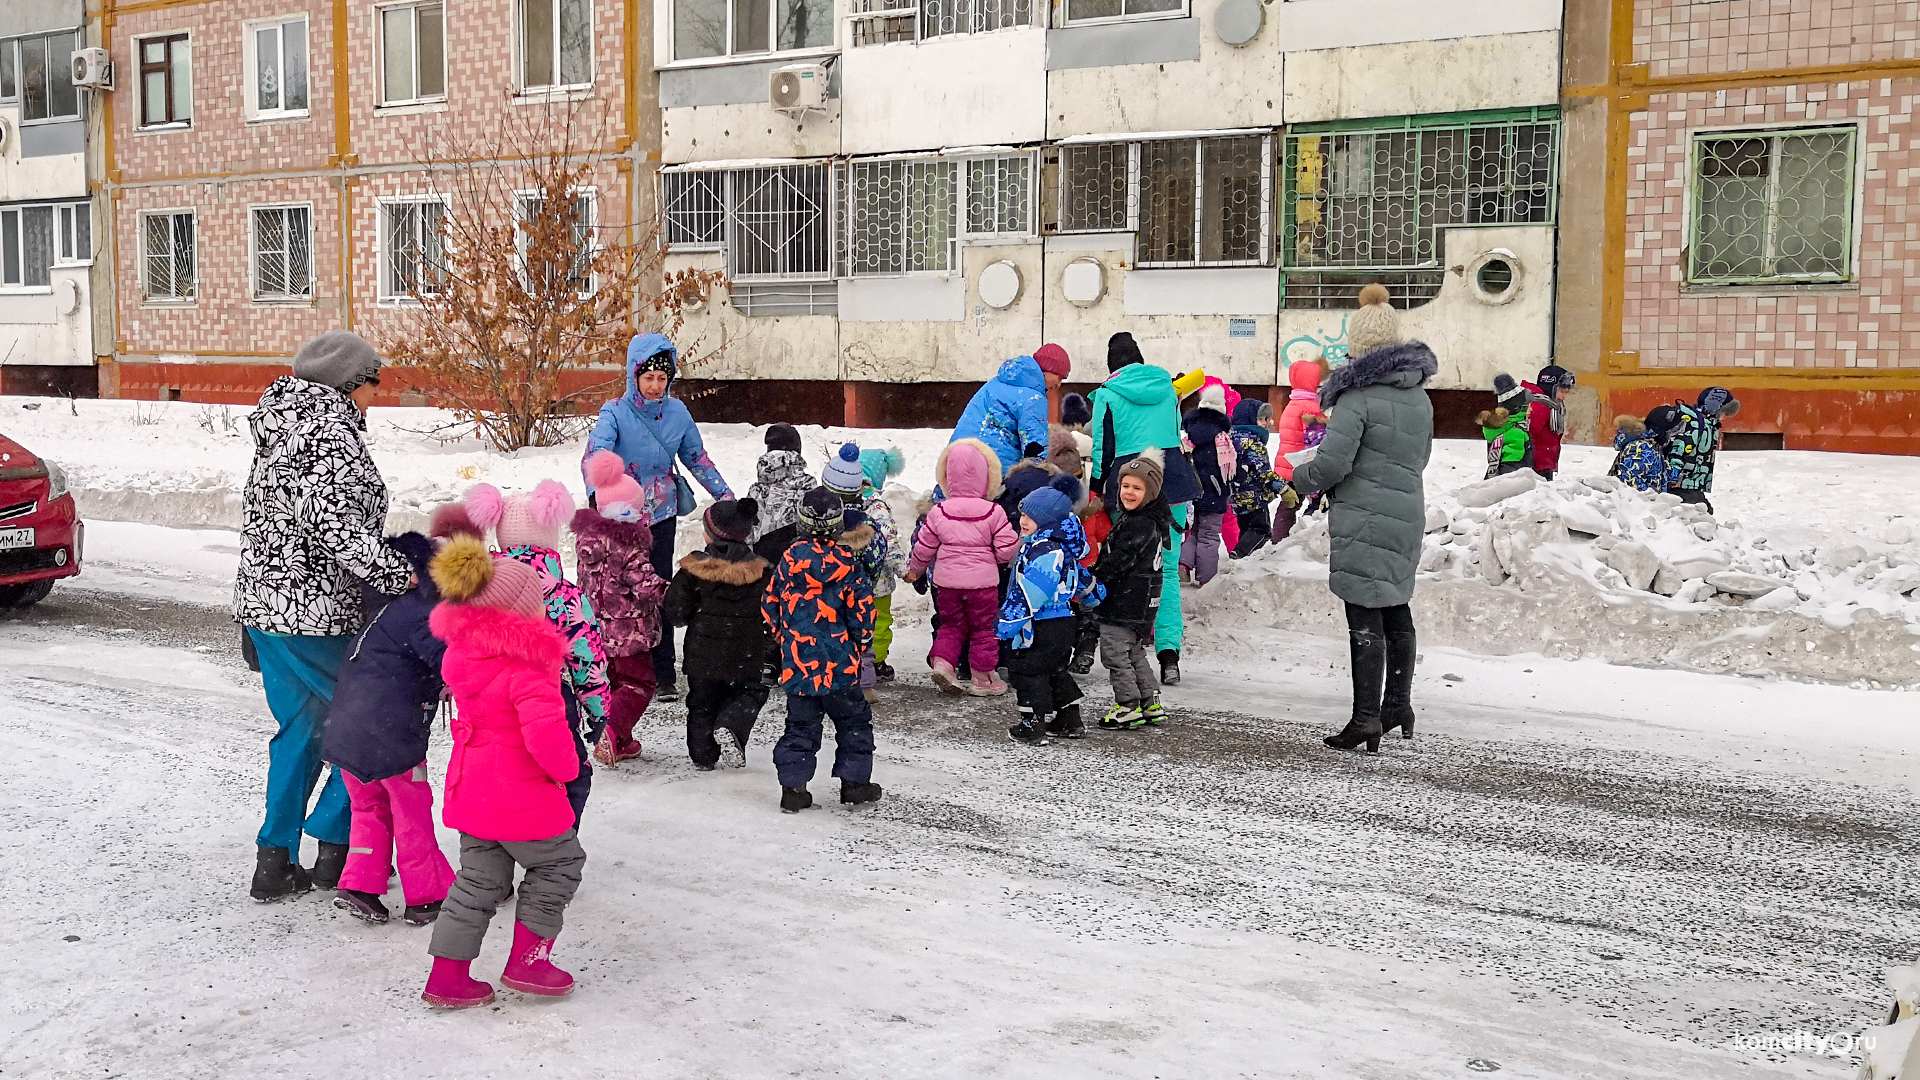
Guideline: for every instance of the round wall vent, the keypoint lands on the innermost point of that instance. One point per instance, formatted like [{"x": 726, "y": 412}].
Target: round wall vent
[
  {"x": 1000, "y": 284},
  {"x": 1238, "y": 21},
  {"x": 1084, "y": 281},
  {"x": 1495, "y": 276},
  {"x": 67, "y": 296}
]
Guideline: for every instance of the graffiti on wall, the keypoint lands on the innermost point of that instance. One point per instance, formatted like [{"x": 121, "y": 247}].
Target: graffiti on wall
[{"x": 1329, "y": 347}]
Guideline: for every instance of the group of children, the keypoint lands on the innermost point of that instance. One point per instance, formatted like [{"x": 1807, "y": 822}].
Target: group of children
[{"x": 1675, "y": 446}]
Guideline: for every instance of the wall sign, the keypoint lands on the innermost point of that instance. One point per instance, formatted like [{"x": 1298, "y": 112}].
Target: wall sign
[{"x": 1240, "y": 328}]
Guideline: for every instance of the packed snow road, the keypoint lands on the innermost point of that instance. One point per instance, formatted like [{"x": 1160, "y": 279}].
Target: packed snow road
[{"x": 1222, "y": 897}]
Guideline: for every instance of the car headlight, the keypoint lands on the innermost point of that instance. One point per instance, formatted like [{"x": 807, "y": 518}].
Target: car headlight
[{"x": 56, "y": 481}]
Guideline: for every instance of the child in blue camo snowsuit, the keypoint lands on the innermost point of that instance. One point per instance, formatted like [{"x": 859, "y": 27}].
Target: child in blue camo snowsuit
[
  {"x": 1638, "y": 459},
  {"x": 1255, "y": 484},
  {"x": 1037, "y": 617}
]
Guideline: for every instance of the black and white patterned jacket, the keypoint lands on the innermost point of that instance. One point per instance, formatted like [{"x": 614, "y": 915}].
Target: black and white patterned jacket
[{"x": 314, "y": 512}]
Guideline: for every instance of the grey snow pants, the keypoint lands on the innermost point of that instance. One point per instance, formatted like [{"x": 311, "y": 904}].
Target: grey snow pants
[
  {"x": 1127, "y": 653},
  {"x": 486, "y": 875}
]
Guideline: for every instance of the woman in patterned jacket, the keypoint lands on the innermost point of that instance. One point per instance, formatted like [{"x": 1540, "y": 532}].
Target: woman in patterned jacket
[{"x": 313, "y": 514}]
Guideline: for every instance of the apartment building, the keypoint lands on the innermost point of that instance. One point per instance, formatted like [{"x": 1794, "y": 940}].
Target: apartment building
[
  {"x": 1742, "y": 173},
  {"x": 47, "y": 332},
  {"x": 274, "y": 165},
  {"x": 1218, "y": 177}
]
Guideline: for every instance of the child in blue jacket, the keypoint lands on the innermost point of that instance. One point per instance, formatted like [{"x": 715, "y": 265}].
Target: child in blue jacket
[{"x": 1037, "y": 617}]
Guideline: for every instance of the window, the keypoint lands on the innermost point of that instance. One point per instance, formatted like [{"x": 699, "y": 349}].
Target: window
[
  {"x": 581, "y": 222},
  {"x": 696, "y": 208},
  {"x": 26, "y": 247},
  {"x": 1083, "y": 11},
  {"x": 1000, "y": 196},
  {"x": 775, "y": 224},
  {"x": 901, "y": 216},
  {"x": 556, "y": 43},
  {"x": 876, "y": 22},
  {"x": 413, "y": 54},
  {"x": 166, "y": 81},
  {"x": 277, "y": 62},
  {"x": 282, "y": 252},
  {"x": 37, "y": 72},
  {"x": 704, "y": 28},
  {"x": 1375, "y": 205},
  {"x": 1093, "y": 187},
  {"x": 1772, "y": 207},
  {"x": 413, "y": 254},
  {"x": 75, "y": 231},
  {"x": 1190, "y": 202},
  {"x": 167, "y": 255}
]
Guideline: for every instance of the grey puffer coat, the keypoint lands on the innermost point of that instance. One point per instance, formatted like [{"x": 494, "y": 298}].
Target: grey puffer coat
[{"x": 1379, "y": 435}]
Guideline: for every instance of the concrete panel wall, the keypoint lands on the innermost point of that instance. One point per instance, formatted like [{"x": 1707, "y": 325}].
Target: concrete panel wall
[
  {"x": 733, "y": 132},
  {"x": 724, "y": 344},
  {"x": 39, "y": 175},
  {"x": 1341, "y": 24},
  {"x": 963, "y": 90},
  {"x": 34, "y": 330},
  {"x": 1224, "y": 87},
  {"x": 26, "y": 16},
  {"x": 1459, "y": 75},
  {"x": 968, "y": 350}
]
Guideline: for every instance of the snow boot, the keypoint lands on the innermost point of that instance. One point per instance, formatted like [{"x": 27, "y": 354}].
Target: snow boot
[
  {"x": 1031, "y": 730},
  {"x": 1396, "y": 705},
  {"x": 669, "y": 691},
  {"x": 794, "y": 799},
  {"x": 984, "y": 684},
  {"x": 1067, "y": 724},
  {"x": 530, "y": 967},
  {"x": 610, "y": 750},
  {"x": 1121, "y": 717},
  {"x": 883, "y": 672},
  {"x": 855, "y": 794},
  {"x": 1153, "y": 712},
  {"x": 329, "y": 865},
  {"x": 1368, "y": 655},
  {"x": 1169, "y": 667},
  {"x": 422, "y": 914},
  {"x": 452, "y": 986},
  {"x": 361, "y": 905},
  {"x": 1082, "y": 663},
  {"x": 731, "y": 755},
  {"x": 277, "y": 876},
  {"x": 945, "y": 678}
]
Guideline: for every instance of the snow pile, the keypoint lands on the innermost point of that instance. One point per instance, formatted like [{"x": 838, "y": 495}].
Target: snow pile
[{"x": 1588, "y": 567}]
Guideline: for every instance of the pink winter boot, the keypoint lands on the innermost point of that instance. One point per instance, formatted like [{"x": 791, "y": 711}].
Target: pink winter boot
[
  {"x": 985, "y": 684},
  {"x": 450, "y": 986},
  {"x": 530, "y": 968},
  {"x": 945, "y": 678}
]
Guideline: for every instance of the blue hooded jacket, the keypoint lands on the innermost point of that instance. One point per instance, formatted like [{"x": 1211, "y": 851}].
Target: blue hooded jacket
[
  {"x": 1009, "y": 412},
  {"x": 623, "y": 428}
]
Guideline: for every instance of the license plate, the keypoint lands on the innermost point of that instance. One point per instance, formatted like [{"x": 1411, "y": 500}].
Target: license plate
[{"x": 15, "y": 538}]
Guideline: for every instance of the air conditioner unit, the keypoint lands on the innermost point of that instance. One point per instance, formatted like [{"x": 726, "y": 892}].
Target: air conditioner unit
[
  {"x": 798, "y": 89},
  {"x": 93, "y": 67}
]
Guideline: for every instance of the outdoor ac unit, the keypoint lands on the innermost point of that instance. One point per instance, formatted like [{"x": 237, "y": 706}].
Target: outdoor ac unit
[
  {"x": 92, "y": 67},
  {"x": 799, "y": 88}
]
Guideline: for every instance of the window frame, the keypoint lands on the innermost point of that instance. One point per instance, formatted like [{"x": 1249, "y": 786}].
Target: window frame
[
  {"x": 67, "y": 238},
  {"x": 383, "y": 247},
  {"x": 592, "y": 195},
  {"x": 773, "y": 51},
  {"x": 1136, "y": 166},
  {"x": 12, "y": 57},
  {"x": 253, "y": 254},
  {"x": 1774, "y": 134},
  {"x": 533, "y": 89},
  {"x": 965, "y": 185},
  {"x": 1185, "y": 11},
  {"x": 172, "y": 123},
  {"x": 851, "y": 217},
  {"x": 733, "y": 184},
  {"x": 173, "y": 213},
  {"x": 250, "y": 66},
  {"x": 919, "y": 13},
  {"x": 380, "y": 99}
]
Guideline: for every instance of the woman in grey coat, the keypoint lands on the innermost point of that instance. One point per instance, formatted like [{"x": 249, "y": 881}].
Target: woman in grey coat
[{"x": 1379, "y": 435}]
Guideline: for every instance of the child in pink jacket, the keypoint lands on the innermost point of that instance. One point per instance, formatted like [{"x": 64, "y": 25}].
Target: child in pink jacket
[
  {"x": 965, "y": 538},
  {"x": 506, "y": 783}
]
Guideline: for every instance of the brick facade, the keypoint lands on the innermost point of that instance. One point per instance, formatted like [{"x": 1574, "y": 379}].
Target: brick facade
[{"x": 1696, "y": 37}]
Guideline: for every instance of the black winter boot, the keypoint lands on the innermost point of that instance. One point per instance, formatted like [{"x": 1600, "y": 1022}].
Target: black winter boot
[
  {"x": 361, "y": 905},
  {"x": 1396, "y": 705},
  {"x": 855, "y": 794},
  {"x": 1368, "y": 653},
  {"x": 276, "y": 876},
  {"x": 422, "y": 914},
  {"x": 329, "y": 865},
  {"x": 795, "y": 799},
  {"x": 1067, "y": 723},
  {"x": 1169, "y": 667},
  {"x": 1082, "y": 663},
  {"x": 1031, "y": 730}
]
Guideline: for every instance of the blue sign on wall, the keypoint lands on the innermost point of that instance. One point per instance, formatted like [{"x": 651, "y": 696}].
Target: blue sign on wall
[{"x": 1240, "y": 328}]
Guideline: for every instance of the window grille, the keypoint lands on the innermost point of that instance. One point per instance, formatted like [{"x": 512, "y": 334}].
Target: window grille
[
  {"x": 415, "y": 249},
  {"x": 282, "y": 253},
  {"x": 780, "y": 222},
  {"x": 1773, "y": 207},
  {"x": 902, "y": 216},
  {"x": 582, "y": 222},
  {"x": 755, "y": 298},
  {"x": 1375, "y": 205},
  {"x": 1000, "y": 195},
  {"x": 169, "y": 256},
  {"x": 696, "y": 208},
  {"x": 877, "y": 22},
  {"x": 1093, "y": 187}
]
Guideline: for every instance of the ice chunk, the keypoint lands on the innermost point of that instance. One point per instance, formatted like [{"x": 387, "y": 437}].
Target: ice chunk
[
  {"x": 1601, "y": 483},
  {"x": 1635, "y": 561},
  {"x": 1701, "y": 562},
  {"x": 1736, "y": 583},
  {"x": 1436, "y": 518},
  {"x": 1490, "y": 491},
  {"x": 1667, "y": 581},
  {"x": 1584, "y": 517},
  {"x": 1705, "y": 530},
  {"x": 1843, "y": 558},
  {"x": 1777, "y": 600}
]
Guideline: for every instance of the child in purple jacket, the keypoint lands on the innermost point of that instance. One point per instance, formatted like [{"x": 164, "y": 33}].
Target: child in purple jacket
[{"x": 614, "y": 544}]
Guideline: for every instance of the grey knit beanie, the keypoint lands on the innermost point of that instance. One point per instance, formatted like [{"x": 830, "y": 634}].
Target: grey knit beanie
[
  {"x": 1376, "y": 323},
  {"x": 341, "y": 359}
]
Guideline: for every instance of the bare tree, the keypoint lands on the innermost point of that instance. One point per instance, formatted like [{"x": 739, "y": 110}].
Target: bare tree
[{"x": 517, "y": 282}]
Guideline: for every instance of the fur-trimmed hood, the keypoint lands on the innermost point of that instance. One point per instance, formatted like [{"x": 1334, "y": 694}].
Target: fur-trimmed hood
[
  {"x": 483, "y": 632},
  {"x": 1409, "y": 364},
  {"x": 858, "y": 538},
  {"x": 1631, "y": 426},
  {"x": 982, "y": 480},
  {"x": 722, "y": 570},
  {"x": 588, "y": 522}
]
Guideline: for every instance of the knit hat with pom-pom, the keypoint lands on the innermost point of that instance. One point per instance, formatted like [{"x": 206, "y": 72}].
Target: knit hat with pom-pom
[
  {"x": 617, "y": 495},
  {"x": 1508, "y": 394},
  {"x": 843, "y": 473},
  {"x": 522, "y": 520},
  {"x": 467, "y": 573},
  {"x": 1150, "y": 468},
  {"x": 453, "y": 520},
  {"x": 731, "y": 519},
  {"x": 1075, "y": 411},
  {"x": 880, "y": 466},
  {"x": 1375, "y": 324}
]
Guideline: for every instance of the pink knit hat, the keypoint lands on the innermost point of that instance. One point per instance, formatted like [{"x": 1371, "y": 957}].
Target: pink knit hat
[
  {"x": 522, "y": 519},
  {"x": 467, "y": 574},
  {"x": 617, "y": 495}
]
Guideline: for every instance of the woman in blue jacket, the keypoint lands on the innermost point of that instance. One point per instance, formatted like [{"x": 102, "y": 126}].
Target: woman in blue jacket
[
  {"x": 650, "y": 429},
  {"x": 1009, "y": 413}
]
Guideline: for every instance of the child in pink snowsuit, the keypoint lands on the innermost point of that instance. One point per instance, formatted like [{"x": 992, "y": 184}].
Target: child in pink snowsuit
[
  {"x": 613, "y": 541},
  {"x": 965, "y": 538}
]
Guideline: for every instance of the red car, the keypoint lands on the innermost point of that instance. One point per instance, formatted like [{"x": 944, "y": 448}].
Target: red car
[{"x": 40, "y": 529}]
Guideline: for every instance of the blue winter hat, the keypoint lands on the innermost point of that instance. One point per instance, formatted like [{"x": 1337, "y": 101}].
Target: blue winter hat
[
  {"x": 1048, "y": 507},
  {"x": 1718, "y": 400},
  {"x": 1247, "y": 413},
  {"x": 880, "y": 466},
  {"x": 843, "y": 473}
]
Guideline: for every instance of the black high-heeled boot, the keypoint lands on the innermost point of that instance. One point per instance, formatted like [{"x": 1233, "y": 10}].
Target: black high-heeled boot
[
  {"x": 1368, "y": 653},
  {"x": 1396, "y": 704}
]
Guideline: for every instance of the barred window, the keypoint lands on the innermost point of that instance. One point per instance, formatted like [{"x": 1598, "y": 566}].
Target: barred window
[
  {"x": 1093, "y": 187},
  {"x": 760, "y": 298},
  {"x": 695, "y": 205},
  {"x": 413, "y": 257},
  {"x": 1773, "y": 207},
  {"x": 876, "y": 22},
  {"x": 582, "y": 221},
  {"x": 1000, "y": 195},
  {"x": 167, "y": 255},
  {"x": 1204, "y": 202},
  {"x": 282, "y": 252},
  {"x": 902, "y": 216},
  {"x": 1375, "y": 205}
]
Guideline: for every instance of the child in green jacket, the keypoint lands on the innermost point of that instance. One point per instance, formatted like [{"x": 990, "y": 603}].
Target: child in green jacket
[{"x": 1504, "y": 426}]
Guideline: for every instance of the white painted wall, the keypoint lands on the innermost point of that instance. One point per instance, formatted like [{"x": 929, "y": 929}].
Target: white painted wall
[
  {"x": 1227, "y": 87},
  {"x": 970, "y": 349},
  {"x": 59, "y": 176},
  {"x": 961, "y": 90},
  {"x": 1410, "y": 78},
  {"x": 1340, "y": 24},
  {"x": 33, "y": 330},
  {"x": 736, "y": 132},
  {"x": 763, "y": 347}
]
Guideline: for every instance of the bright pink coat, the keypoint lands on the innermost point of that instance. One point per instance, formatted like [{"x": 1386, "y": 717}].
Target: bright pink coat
[
  {"x": 966, "y": 537},
  {"x": 1304, "y": 377},
  {"x": 512, "y": 752}
]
